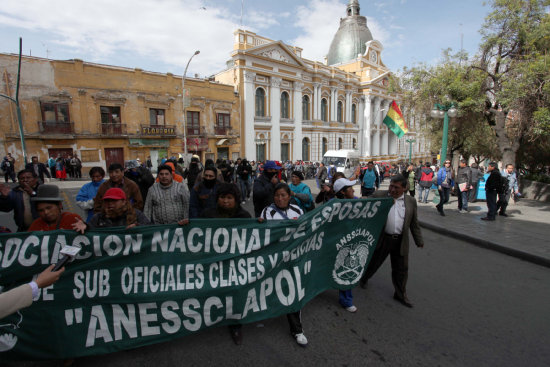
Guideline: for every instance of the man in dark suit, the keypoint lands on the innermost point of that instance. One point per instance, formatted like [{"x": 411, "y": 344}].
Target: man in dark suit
[
  {"x": 38, "y": 168},
  {"x": 394, "y": 240}
]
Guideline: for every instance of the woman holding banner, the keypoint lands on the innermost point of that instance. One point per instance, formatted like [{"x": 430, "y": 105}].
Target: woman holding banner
[
  {"x": 283, "y": 209},
  {"x": 228, "y": 199}
]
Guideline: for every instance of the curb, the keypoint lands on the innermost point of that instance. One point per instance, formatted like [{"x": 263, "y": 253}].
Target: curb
[{"x": 535, "y": 259}]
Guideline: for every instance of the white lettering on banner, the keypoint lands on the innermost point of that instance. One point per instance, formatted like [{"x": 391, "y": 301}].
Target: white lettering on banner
[
  {"x": 92, "y": 283},
  {"x": 153, "y": 318},
  {"x": 143, "y": 279}
]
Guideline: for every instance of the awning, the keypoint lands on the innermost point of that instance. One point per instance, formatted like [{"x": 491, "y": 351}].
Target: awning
[{"x": 222, "y": 142}]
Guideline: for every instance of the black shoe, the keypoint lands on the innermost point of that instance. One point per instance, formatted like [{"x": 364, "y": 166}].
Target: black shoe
[
  {"x": 441, "y": 212},
  {"x": 236, "y": 334},
  {"x": 487, "y": 218},
  {"x": 404, "y": 300},
  {"x": 503, "y": 214}
]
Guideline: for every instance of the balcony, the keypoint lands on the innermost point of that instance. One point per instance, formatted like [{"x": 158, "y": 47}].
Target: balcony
[
  {"x": 54, "y": 127},
  {"x": 113, "y": 129},
  {"x": 158, "y": 130}
]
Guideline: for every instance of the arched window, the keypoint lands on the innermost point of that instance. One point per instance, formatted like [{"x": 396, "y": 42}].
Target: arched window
[
  {"x": 325, "y": 146},
  {"x": 354, "y": 113},
  {"x": 260, "y": 149},
  {"x": 305, "y": 108},
  {"x": 340, "y": 112},
  {"x": 324, "y": 109},
  {"x": 260, "y": 102},
  {"x": 354, "y": 143},
  {"x": 340, "y": 143},
  {"x": 284, "y": 105},
  {"x": 305, "y": 149}
]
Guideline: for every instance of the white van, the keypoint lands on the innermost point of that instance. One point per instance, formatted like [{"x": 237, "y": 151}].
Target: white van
[{"x": 344, "y": 160}]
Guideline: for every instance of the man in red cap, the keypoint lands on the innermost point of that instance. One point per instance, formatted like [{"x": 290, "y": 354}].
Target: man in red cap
[{"x": 116, "y": 211}]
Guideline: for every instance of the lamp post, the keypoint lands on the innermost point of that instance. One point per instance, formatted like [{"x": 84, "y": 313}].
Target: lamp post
[
  {"x": 410, "y": 141},
  {"x": 184, "y": 106},
  {"x": 444, "y": 112}
]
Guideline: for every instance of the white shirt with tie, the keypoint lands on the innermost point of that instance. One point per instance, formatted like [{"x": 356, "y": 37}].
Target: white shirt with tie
[{"x": 396, "y": 216}]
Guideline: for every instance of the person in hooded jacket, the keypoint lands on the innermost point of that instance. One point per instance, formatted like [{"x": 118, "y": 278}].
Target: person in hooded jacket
[
  {"x": 141, "y": 176},
  {"x": 243, "y": 176},
  {"x": 203, "y": 194},
  {"x": 86, "y": 195},
  {"x": 264, "y": 187},
  {"x": 425, "y": 183},
  {"x": 192, "y": 172}
]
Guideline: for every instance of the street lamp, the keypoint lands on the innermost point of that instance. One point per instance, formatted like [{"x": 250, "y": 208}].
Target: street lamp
[
  {"x": 184, "y": 106},
  {"x": 444, "y": 111},
  {"x": 410, "y": 141}
]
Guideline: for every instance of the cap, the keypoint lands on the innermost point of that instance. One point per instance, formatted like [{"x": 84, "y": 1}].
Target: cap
[
  {"x": 114, "y": 193},
  {"x": 271, "y": 165},
  {"x": 341, "y": 183}
]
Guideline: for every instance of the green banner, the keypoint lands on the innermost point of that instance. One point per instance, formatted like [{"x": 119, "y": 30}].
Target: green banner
[{"x": 130, "y": 288}]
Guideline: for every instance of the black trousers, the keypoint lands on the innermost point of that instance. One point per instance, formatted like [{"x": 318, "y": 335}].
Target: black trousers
[
  {"x": 503, "y": 199},
  {"x": 491, "y": 203},
  {"x": 399, "y": 264}
]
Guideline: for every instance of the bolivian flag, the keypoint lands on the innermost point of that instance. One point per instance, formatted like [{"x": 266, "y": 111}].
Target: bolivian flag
[{"x": 394, "y": 120}]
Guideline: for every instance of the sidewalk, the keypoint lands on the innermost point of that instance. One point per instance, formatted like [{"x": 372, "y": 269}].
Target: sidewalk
[{"x": 524, "y": 234}]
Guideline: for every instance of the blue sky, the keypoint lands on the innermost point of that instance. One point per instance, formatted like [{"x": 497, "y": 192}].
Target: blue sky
[{"x": 161, "y": 35}]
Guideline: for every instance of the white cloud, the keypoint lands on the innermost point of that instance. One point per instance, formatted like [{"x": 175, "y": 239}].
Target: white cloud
[
  {"x": 319, "y": 21},
  {"x": 166, "y": 30}
]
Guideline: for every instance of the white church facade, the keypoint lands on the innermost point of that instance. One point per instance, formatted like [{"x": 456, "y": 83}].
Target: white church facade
[{"x": 293, "y": 108}]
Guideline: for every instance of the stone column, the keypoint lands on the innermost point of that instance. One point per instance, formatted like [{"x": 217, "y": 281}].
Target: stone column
[
  {"x": 376, "y": 127},
  {"x": 333, "y": 103},
  {"x": 248, "y": 145},
  {"x": 297, "y": 142},
  {"x": 316, "y": 101},
  {"x": 347, "y": 117},
  {"x": 362, "y": 126},
  {"x": 275, "y": 143},
  {"x": 367, "y": 127}
]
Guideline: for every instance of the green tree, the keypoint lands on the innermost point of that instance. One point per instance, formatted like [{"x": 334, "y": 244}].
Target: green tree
[{"x": 514, "y": 59}]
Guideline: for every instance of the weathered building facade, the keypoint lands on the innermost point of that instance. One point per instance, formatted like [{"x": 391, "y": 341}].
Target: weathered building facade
[{"x": 109, "y": 114}]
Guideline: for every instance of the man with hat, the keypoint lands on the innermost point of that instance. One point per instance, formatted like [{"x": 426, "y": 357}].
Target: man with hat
[
  {"x": 116, "y": 211},
  {"x": 50, "y": 210},
  {"x": 264, "y": 187}
]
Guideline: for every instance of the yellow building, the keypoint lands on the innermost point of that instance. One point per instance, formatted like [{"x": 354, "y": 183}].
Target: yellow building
[{"x": 109, "y": 114}]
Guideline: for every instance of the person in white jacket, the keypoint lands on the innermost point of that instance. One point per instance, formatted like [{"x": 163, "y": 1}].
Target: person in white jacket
[{"x": 22, "y": 296}]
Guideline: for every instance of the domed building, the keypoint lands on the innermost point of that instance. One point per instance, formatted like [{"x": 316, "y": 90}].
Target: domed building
[
  {"x": 293, "y": 108},
  {"x": 351, "y": 38}
]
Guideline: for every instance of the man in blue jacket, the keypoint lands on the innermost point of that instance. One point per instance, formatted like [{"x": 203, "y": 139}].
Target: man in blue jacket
[{"x": 370, "y": 180}]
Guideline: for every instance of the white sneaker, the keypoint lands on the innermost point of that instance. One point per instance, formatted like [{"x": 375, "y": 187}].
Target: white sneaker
[
  {"x": 351, "y": 309},
  {"x": 301, "y": 339},
  {"x": 460, "y": 211}
]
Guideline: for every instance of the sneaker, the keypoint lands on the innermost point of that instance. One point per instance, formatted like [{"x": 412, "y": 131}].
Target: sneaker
[
  {"x": 301, "y": 339},
  {"x": 351, "y": 309},
  {"x": 244, "y": 202}
]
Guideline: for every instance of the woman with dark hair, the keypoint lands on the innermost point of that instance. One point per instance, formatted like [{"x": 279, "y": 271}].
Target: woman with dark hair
[
  {"x": 203, "y": 194},
  {"x": 301, "y": 192},
  {"x": 228, "y": 206},
  {"x": 86, "y": 195},
  {"x": 279, "y": 210}
]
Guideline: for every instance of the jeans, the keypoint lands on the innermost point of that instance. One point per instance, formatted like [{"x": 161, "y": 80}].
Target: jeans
[
  {"x": 245, "y": 188},
  {"x": 425, "y": 191},
  {"x": 345, "y": 298},
  {"x": 444, "y": 194},
  {"x": 463, "y": 200}
]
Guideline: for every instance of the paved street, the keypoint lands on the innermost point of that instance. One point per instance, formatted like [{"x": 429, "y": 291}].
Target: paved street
[{"x": 473, "y": 307}]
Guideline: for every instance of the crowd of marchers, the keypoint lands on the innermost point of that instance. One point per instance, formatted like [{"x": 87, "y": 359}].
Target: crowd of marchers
[{"x": 131, "y": 196}]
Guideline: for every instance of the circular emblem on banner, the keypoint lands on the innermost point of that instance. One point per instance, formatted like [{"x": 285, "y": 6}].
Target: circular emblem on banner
[{"x": 350, "y": 262}]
